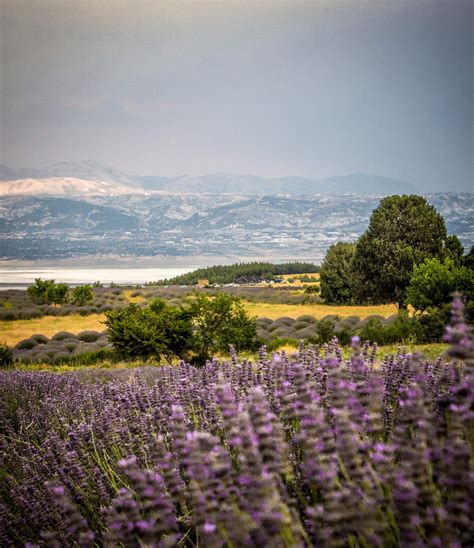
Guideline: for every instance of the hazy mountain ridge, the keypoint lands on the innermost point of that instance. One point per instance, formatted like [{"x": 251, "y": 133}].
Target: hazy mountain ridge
[
  {"x": 193, "y": 224},
  {"x": 65, "y": 178}
]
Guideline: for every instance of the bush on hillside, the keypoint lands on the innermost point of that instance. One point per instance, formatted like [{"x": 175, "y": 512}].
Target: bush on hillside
[
  {"x": 88, "y": 336},
  {"x": 61, "y": 335},
  {"x": 26, "y": 344},
  {"x": 39, "y": 338}
]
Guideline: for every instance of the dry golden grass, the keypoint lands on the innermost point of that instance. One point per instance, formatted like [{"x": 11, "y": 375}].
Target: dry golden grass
[
  {"x": 127, "y": 293},
  {"x": 13, "y": 331},
  {"x": 274, "y": 311},
  {"x": 297, "y": 279}
]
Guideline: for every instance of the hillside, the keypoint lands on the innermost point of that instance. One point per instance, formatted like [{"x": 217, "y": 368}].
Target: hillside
[{"x": 197, "y": 224}]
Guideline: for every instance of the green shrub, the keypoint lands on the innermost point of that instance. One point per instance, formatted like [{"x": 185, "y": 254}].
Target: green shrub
[
  {"x": 40, "y": 339},
  {"x": 285, "y": 320},
  {"x": 306, "y": 332},
  {"x": 29, "y": 313},
  {"x": 82, "y": 294},
  {"x": 61, "y": 335},
  {"x": 373, "y": 331},
  {"x": 26, "y": 344},
  {"x": 88, "y": 336},
  {"x": 306, "y": 318},
  {"x": 283, "y": 332},
  {"x": 8, "y": 315},
  {"x": 6, "y": 356},
  {"x": 48, "y": 291},
  {"x": 299, "y": 325},
  {"x": 432, "y": 324},
  {"x": 325, "y": 329}
]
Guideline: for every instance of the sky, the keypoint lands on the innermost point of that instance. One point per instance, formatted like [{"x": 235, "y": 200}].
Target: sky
[{"x": 273, "y": 88}]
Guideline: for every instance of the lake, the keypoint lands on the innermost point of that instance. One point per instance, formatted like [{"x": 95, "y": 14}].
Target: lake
[{"x": 20, "y": 277}]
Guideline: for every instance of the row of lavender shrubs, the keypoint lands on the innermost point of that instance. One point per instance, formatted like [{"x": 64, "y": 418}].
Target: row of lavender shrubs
[
  {"x": 62, "y": 347},
  {"x": 315, "y": 450},
  {"x": 15, "y": 304},
  {"x": 376, "y": 328}
]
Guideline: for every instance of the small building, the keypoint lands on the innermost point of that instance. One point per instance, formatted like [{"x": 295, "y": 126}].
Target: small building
[
  {"x": 203, "y": 283},
  {"x": 248, "y": 280}
]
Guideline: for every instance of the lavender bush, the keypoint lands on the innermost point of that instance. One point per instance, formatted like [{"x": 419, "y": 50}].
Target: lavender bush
[{"x": 315, "y": 450}]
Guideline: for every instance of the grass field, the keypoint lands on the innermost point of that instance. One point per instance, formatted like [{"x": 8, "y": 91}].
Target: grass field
[
  {"x": 14, "y": 331},
  {"x": 127, "y": 293},
  {"x": 430, "y": 351},
  {"x": 297, "y": 279},
  {"x": 274, "y": 311}
]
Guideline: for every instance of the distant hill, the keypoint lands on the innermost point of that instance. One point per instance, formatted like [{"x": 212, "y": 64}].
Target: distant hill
[
  {"x": 228, "y": 183},
  {"x": 94, "y": 178},
  {"x": 87, "y": 170}
]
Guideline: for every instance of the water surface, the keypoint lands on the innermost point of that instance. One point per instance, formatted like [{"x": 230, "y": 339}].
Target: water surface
[{"x": 20, "y": 277}]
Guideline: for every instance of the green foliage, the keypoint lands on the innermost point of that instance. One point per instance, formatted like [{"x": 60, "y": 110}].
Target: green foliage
[
  {"x": 82, "y": 295},
  {"x": 58, "y": 294},
  {"x": 227, "y": 274},
  {"x": 403, "y": 231},
  {"x": 404, "y": 329},
  {"x": 433, "y": 283},
  {"x": 432, "y": 324},
  {"x": 312, "y": 290},
  {"x": 6, "y": 356},
  {"x": 202, "y": 326},
  {"x": 325, "y": 330},
  {"x": 157, "y": 331},
  {"x": 454, "y": 249},
  {"x": 48, "y": 292},
  {"x": 336, "y": 274},
  {"x": 218, "y": 322},
  {"x": 468, "y": 260}
]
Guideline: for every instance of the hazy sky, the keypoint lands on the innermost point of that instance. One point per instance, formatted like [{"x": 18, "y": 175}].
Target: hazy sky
[{"x": 314, "y": 88}]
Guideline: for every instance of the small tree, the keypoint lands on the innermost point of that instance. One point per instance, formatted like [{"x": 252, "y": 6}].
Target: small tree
[
  {"x": 57, "y": 293},
  {"x": 433, "y": 283},
  {"x": 82, "y": 294},
  {"x": 403, "y": 231},
  {"x": 157, "y": 331},
  {"x": 337, "y": 285},
  {"x": 48, "y": 292},
  {"x": 218, "y": 322},
  {"x": 38, "y": 291}
]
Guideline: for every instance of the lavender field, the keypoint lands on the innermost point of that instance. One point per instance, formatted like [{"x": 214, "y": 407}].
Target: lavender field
[{"x": 310, "y": 450}]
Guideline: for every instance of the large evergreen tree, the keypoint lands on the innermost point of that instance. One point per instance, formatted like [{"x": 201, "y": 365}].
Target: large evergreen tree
[{"x": 403, "y": 231}]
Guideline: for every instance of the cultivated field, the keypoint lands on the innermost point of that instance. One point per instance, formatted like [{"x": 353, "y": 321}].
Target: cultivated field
[
  {"x": 318, "y": 311},
  {"x": 236, "y": 453},
  {"x": 14, "y": 331}
]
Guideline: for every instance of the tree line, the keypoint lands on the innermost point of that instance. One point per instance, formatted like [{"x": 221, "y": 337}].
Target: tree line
[{"x": 225, "y": 274}]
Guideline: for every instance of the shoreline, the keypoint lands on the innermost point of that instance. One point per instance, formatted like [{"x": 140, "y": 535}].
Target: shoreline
[{"x": 157, "y": 261}]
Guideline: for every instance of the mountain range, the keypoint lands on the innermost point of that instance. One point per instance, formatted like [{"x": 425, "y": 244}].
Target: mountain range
[
  {"x": 158, "y": 224},
  {"x": 94, "y": 178},
  {"x": 87, "y": 209}
]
